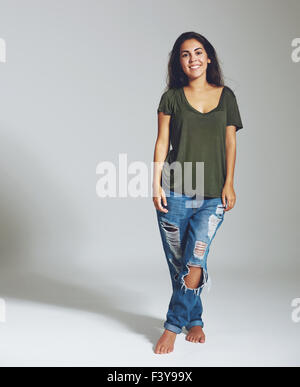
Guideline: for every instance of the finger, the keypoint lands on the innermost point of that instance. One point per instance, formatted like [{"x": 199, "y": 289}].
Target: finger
[
  {"x": 164, "y": 199},
  {"x": 224, "y": 200},
  {"x": 230, "y": 204},
  {"x": 160, "y": 208},
  {"x": 156, "y": 204},
  {"x": 226, "y": 206},
  {"x": 163, "y": 209}
]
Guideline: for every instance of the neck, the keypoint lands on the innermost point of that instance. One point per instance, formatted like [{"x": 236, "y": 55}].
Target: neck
[{"x": 199, "y": 83}]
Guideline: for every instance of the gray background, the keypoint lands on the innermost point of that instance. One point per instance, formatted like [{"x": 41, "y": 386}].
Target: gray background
[{"x": 85, "y": 279}]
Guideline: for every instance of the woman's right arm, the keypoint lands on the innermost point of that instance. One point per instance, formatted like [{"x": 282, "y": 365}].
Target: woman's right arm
[{"x": 160, "y": 154}]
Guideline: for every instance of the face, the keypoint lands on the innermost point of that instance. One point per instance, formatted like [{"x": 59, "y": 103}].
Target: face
[{"x": 193, "y": 58}]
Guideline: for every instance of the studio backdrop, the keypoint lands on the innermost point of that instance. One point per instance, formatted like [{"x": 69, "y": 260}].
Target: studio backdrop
[{"x": 81, "y": 272}]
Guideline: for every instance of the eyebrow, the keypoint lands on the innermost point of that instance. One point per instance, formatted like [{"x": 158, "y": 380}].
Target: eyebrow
[{"x": 201, "y": 48}]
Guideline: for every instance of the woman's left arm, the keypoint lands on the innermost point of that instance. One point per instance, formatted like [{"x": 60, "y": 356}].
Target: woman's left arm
[{"x": 228, "y": 193}]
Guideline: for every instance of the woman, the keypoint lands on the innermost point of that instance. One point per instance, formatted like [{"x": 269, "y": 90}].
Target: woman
[{"x": 199, "y": 116}]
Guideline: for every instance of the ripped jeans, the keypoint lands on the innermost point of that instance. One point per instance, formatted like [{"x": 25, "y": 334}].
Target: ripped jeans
[{"x": 187, "y": 230}]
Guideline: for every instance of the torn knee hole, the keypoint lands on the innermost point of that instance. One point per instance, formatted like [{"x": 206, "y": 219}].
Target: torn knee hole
[{"x": 191, "y": 280}]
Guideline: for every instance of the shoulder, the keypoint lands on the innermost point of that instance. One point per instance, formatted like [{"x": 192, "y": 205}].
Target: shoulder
[
  {"x": 167, "y": 103},
  {"x": 170, "y": 93},
  {"x": 231, "y": 96},
  {"x": 229, "y": 91}
]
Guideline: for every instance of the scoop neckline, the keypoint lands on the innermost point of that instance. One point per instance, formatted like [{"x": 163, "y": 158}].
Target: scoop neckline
[{"x": 203, "y": 114}]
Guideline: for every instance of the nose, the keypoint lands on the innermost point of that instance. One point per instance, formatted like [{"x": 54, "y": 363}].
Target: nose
[{"x": 193, "y": 58}]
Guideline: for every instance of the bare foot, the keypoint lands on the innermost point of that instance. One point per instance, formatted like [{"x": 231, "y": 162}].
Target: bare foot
[
  {"x": 196, "y": 334},
  {"x": 165, "y": 343}
]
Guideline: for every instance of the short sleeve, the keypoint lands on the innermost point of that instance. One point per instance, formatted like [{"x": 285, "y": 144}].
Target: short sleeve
[
  {"x": 233, "y": 113},
  {"x": 166, "y": 103}
]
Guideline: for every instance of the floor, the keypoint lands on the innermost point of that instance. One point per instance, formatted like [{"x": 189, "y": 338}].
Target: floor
[{"x": 64, "y": 320}]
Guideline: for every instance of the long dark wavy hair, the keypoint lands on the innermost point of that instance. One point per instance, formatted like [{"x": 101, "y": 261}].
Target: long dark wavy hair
[{"x": 176, "y": 78}]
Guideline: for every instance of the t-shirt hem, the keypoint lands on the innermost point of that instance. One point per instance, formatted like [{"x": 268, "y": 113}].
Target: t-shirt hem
[
  {"x": 205, "y": 195},
  {"x": 238, "y": 126},
  {"x": 213, "y": 196},
  {"x": 164, "y": 111}
]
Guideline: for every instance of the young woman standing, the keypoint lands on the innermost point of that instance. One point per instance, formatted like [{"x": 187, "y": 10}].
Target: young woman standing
[{"x": 199, "y": 116}]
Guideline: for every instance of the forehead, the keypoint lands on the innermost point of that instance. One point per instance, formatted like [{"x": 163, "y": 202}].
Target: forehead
[{"x": 190, "y": 45}]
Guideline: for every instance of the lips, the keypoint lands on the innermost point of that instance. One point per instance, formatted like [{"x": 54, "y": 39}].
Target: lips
[{"x": 194, "y": 67}]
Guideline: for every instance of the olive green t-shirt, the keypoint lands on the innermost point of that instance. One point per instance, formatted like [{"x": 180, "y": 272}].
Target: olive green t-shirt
[{"x": 198, "y": 137}]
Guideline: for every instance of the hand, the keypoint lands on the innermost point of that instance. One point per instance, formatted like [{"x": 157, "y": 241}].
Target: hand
[
  {"x": 159, "y": 196},
  {"x": 229, "y": 195}
]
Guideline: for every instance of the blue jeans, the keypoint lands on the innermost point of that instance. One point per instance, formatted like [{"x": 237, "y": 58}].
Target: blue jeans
[{"x": 187, "y": 230}]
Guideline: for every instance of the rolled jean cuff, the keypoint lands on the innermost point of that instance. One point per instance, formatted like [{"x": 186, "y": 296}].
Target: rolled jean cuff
[
  {"x": 172, "y": 327},
  {"x": 193, "y": 323}
]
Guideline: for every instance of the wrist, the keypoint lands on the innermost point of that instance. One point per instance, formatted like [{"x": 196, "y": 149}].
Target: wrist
[
  {"x": 156, "y": 184},
  {"x": 229, "y": 182}
]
